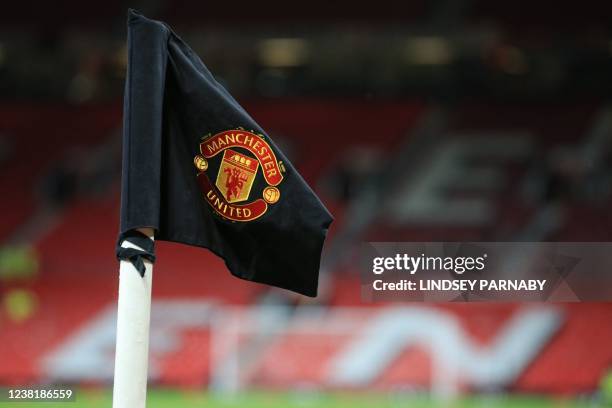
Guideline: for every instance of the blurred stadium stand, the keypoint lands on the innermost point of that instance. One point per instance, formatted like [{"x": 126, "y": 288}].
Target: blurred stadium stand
[{"x": 429, "y": 121}]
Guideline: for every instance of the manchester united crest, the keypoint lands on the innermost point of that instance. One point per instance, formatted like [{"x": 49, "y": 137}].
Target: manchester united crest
[{"x": 246, "y": 174}]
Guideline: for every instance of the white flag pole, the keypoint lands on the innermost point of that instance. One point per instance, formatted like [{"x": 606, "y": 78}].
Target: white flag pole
[{"x": 133, "y": 317}]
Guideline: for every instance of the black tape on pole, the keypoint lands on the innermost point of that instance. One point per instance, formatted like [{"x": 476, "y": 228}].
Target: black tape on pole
[{"x": 134, "y": 255}]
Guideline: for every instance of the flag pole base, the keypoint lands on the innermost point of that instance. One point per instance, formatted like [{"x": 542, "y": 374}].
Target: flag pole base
[{"x": 133, "y": 319}]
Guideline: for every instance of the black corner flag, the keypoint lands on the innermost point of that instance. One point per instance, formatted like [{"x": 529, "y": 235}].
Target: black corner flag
[{"x": 200, "y": 171}]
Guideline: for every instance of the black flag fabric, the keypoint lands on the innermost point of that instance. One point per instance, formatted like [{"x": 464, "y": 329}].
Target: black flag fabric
[{"x": 200, "y": 171}]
